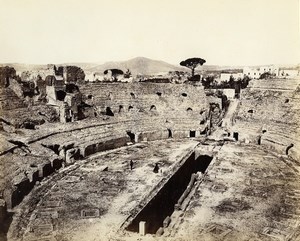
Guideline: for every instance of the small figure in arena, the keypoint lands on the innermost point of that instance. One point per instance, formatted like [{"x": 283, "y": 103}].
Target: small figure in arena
[{"x": 131, "y": 164}]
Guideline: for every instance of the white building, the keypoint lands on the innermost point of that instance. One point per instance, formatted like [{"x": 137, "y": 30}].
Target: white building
[
  {"x": 255, "y": 73},
  {"x": 226, "y": 76},
  {"x": 288, "y": 73},
  {"x": 271, "y": 69}
]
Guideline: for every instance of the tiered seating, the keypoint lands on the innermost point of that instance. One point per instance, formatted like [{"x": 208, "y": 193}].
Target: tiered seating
[
  {"x": 269, "y": 108},
  {"x": 176, "y": 112},
  {"x": 168, "y": 101}
]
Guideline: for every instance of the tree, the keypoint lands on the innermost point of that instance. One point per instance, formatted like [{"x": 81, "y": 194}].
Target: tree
[
  {"x": 74, "y": 74},
  {"x": 208, "y": 81},
  {"x": 266, "y": 75},
  {"x": 244, "y": 81},
  {"x": 192, "y": 63}
]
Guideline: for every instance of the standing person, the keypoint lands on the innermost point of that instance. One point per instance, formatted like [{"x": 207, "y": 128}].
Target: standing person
[{"x": 131, "y": 164}]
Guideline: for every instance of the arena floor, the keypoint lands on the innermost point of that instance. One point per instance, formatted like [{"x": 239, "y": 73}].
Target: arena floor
[{"x": 247, "y": 192}]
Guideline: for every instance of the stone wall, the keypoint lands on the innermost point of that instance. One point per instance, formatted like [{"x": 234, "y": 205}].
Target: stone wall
[
  {"x": 269, "y": 114},
  {"x": 172, "y": 102}
]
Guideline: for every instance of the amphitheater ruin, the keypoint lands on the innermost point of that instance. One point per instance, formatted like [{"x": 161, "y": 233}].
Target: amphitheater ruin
[{"x": 148, "y": 161}]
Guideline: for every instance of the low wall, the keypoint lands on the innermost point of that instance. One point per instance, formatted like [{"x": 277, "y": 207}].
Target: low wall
[
  {"x": 104, "y": 145},
  {"x": 153, "y": 135}
]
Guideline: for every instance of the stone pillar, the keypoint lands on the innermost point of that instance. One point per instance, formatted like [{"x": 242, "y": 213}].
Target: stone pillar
[{"x": 142, "y": 228}]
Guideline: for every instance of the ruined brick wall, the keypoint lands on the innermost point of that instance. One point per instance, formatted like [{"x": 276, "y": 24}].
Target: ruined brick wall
[
  {"x": 164, "y": 97},
  {"x": 178, "y": 104},
  {"x": 6, "y": 73},
  {"x": 269, "y": 110}
]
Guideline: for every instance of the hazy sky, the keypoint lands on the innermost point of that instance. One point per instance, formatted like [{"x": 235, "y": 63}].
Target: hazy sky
[{"x": 225, "y": 32}]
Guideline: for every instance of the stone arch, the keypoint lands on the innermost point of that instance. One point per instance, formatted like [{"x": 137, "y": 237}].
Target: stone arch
[
  {"x": 152, "y": 108},
  {"x": 236, "y": 136},
  {"x": 109, "y": 112},
  {"x": 131, "y": 136},
  {"x": 288, "y": 148},
  {"x": 192, "y": 133}
]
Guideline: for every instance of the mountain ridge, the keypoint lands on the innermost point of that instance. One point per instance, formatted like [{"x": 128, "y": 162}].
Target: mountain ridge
[{"x": 137, "y": 65}]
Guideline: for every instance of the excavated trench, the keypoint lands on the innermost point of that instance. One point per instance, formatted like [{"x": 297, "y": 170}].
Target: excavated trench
[{"x": 163, "y": 203}]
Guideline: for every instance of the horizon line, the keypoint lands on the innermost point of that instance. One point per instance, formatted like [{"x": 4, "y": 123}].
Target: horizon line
[{"x": 104, "y": 62}]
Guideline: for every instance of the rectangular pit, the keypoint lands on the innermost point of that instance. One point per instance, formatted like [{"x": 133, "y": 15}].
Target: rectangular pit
[{"x": 163, "y": 203}]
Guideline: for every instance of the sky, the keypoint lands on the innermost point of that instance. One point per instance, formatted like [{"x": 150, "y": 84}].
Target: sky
[{"x": 223, "y": 32}]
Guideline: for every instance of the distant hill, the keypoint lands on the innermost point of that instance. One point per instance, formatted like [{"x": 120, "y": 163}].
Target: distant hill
[
  {"x": 25, "y": 67},
  {"x": 138, "y": 65}
]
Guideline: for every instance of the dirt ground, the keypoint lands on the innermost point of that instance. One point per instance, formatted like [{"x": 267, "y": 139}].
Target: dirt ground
[
  {"x": 249, "y": 194},
  {"x": 92, "y": 198}
]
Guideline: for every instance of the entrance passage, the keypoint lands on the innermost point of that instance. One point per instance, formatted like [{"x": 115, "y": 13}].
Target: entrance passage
[
  {"x": 236, "y": 136},
  {"x": 170, "y": 135},
  {"x": 163, "y": 204},
  {"x": 131, "y": 136},
  {"x": 153, "y": 107},
  {"x": 288, "y": 148},
  {"x": 109, "y": 112},
  {"x": 192, "y": 133}
]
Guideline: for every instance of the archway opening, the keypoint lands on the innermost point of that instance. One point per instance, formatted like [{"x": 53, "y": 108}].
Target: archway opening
[
  {"x": 288, "y": 148},
  {"x": 192, "y": 133},
  {"x": 131, "y": 136},
  {"x": 109, "y": 111},
  {"x": 153, "y": 108},
  {"x": 236, "y": 136}
]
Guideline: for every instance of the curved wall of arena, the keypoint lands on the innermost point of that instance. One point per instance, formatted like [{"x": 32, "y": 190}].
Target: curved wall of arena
[
  {"x": 177, "y": 107},
  {"x": 268, "y": 115},
  {"x": 141, "y": 112}
]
